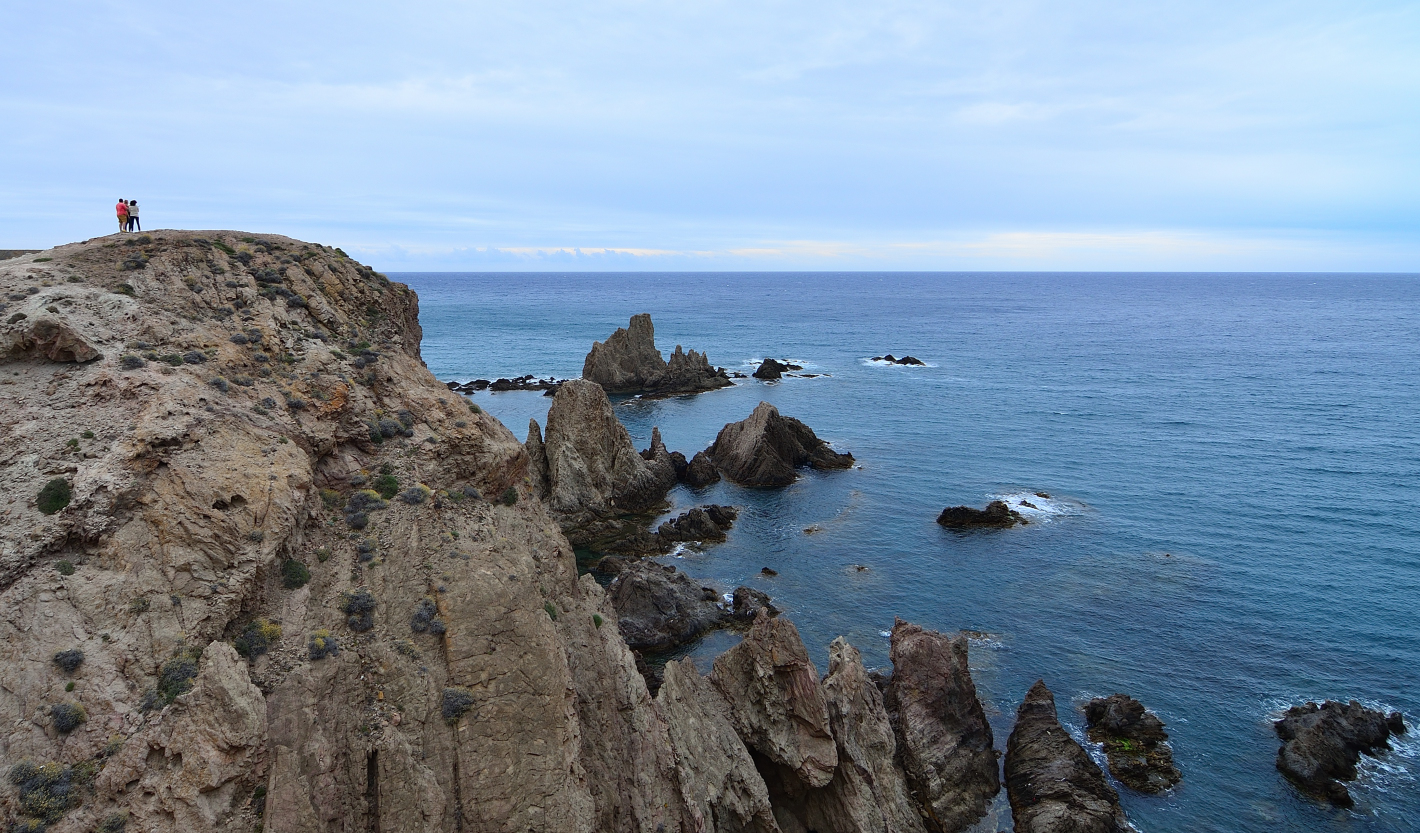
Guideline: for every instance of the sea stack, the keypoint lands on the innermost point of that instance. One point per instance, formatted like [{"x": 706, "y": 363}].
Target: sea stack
[
  {"x": 1135, "y": 742},
  {"x": 628, "y": 362},
  {"x": 766, "y": 448}
]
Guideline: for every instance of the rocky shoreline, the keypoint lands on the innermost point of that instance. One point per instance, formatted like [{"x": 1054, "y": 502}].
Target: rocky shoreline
[{"x": 260, "y": 570}]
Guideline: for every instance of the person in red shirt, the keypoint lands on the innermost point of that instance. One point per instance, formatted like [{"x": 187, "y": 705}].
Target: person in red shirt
[{"x": 122, "y": 209}]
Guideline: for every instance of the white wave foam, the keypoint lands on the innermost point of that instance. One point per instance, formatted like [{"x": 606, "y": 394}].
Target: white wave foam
[{"x": 1037, "y": 509}]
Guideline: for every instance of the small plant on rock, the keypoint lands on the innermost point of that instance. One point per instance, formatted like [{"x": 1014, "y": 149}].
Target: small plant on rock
[
  {"x": 176, "y": 676},
  {"x": 257, "y": 638},
  {"x": 457, "y": 701},
  {"x": 69, "y": 660},
  {"x": 323, "y": 645},
  {"x": 68, "y": 717},
  {"x": 55, "y": 495},
  {"x": 359, "y": 610},
  {"x": 387, "y": 485},
  {"x": 65, "y": 568},
  {"x": 294, "y": 574},
  {"x": 510, "y": 496},
  {"x": 113, "y": 823}
]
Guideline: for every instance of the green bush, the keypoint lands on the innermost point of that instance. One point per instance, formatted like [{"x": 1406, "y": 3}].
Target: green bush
[
  {"x": 55, "y": 495},
  {"x": 510, "y": 496},
  {"x": 257, "y": 638},
  {"x": 551, "y": 610},
  {"x": 387, "y": 485},
  {"x": 65, "y": 568},
  {"x": 294, "y": 574},
  {"x": 597, "y": 619}
]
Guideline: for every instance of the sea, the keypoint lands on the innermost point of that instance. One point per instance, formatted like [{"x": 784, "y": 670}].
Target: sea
[{"x": 1232, "y": 464}]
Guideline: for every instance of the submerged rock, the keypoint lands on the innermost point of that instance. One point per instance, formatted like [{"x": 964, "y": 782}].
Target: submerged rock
[
  {"x": 1134, "y": 740},
  {"x": 628, "y": 362},
  {"x": 996, "y": 515},
  {"x": 766, "y": 448},
  {"x": 1051, "y": 781},
  {"x": 943, "y": 738},
  {"x": 1322, "y": 744}
]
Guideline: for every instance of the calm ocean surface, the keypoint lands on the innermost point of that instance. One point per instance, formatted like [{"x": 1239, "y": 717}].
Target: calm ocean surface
[{"x": 1233, "y": 462}]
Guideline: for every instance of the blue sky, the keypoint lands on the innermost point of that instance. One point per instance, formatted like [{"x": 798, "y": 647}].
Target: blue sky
[{"x": 772, "y": 134}]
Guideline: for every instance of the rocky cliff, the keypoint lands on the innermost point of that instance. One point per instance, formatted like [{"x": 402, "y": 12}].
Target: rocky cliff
[{"x": 628, "y": 362}]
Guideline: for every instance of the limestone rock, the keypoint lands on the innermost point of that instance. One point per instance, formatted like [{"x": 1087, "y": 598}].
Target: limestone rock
[
  {"x": 1322, "y": 744},
  {"x": 943, "y": 737},
  {"x": 996, "y": 515},
  {"x": 1051, "y": 781},
  {"x": 628, "y": 362},
  {"x": 777, "y": 704},
  {"x": 719, "y": 781},
  {"x": 766, "y": 448},
  {"x": 1134, "y": 740}
]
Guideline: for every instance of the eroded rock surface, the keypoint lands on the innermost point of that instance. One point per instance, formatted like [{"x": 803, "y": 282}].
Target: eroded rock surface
[
  {"x": 766, "y": 448},
  {"x": 701, "y": 471},
  {"x": 1051, "y": 781},
  {"x": 1135, "y": 742},
  {"x": 996, "y": 515},
  {"x": 658, "y": 607},
  {"x": 1321, "y": 745},
  {"x": 943, "y": 738},
  {"x": 628, "y": 362}
]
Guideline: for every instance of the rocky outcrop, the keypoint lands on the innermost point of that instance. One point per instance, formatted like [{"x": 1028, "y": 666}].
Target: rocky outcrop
[
  {"x": 1051, "y": 781},
  {"x": 943, "y": 738},
  {"x": 548, "y": 386},
  {"x": 628, "y": 362},
  {"x": 669, "y": 467},
  {"x": 701, "y": 471},
  {"x": 776, "y": 703},
  {"x": 996, "y": 515},
  {"x": 43, "y": 336},
  {"x": 592, "y": 472},
  {"x": 658, "y": 607},
  {"x": 905, "y": 360},
  {"x": 1321, "y": 745},
  {"x": 698, "y": 525},
  {"x": 721, "y": 787},
  {"x": 766, "y": 448},
  {"x": 774, "y": 369},
  {"x": 1135, "y": 742}
]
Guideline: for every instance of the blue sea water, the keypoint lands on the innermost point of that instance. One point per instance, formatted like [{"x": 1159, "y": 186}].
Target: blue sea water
[{"x": 1232, "y": 459}]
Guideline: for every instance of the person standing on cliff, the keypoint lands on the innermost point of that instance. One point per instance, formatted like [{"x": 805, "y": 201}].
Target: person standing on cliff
[
  {"x": 133, "y": 224},
  {"x": 122, "y": 209}
]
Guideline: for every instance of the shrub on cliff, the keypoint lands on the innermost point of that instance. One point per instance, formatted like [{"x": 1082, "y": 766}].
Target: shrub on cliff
[
  {"x": 257, "y": 638},
  {"x": 359, "y": 610},
  {"x": 294, "y": 574},
  {"x": 47, "y": 792},
  {"x": 55, "y": 495},
  {"x": 323, "y": 645},
  {"x": 510, "y": 496},
  {"x": 67, "y": 717},
  {"x": 426, "y": 618},
  {"x": 176, "y": 676},
  {"x": 131, "y": 362},
  {"x": 69, "y": 660},
  {"x": 416, "y": 495},
  {"x": 387, "y": 485},
  {"x": 457, "y": 701},
  {"x": 113, "y": 823}
]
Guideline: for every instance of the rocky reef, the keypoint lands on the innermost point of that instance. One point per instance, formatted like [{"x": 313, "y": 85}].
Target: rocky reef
[
  {"x": 911, "y": 361},
  {"x": 1051, "y": 781},
  {"x": 996, "y": 515},
  {"x": 628, "y": 362},
  {"x": 766, "y": 448},
  {"x": 1321, "y": 745},
  {"x": 1134, "y": 741}
]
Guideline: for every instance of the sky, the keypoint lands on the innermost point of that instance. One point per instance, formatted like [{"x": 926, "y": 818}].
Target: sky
[{"x": 764, "y": 135}]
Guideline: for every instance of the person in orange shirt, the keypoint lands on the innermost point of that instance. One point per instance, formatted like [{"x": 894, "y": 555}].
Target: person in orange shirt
[{"x": 122, "y": 209}]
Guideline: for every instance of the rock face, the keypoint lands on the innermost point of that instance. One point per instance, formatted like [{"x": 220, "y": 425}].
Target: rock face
[
  {"x": 628, "y": 362},
  {"x": 701, "y": 471},
  {"x": 659, "y": 607},
  {"x": 776, "y": 703},
  {"x": 585, "y": 465},
  {"x": 1322, "y": 744},
  {"x": 1134, "y": 740},
  {"x": 724, "y": 791},
  {"x": 766, "y": 448},
  {"x": 1051, "y": 781},
  {"x": 943, "y": 738},
  {"x": 996, "y": 515}
]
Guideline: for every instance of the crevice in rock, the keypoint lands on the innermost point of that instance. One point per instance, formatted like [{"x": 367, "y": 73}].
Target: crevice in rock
[{"x": 372, "y": 791}]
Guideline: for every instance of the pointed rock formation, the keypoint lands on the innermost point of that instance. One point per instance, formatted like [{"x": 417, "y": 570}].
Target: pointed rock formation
[
  {"x": 1052, "y": 783},
  {"x": 943, "y": 737},
  {"x": 1134, "y": 740},
  {"x": 776, "y": 702},
  {"x": 628, "y": 362},
  {"x": 701, "y": 471},
  {"x": 720, "y": 785},
  {"x": 766, "y": 448},
  {"x": 591, "y": 470}
]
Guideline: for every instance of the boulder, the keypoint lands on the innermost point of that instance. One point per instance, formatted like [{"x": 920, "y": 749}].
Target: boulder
[
  {"x": 943, "y": 738},
  {"x": 721, "y": 786},
  {"x": 770, "y": 369},
  {"x": 658, "y": 607},
  {"x": 628, "y": 362},
  {"x": 586, "y": 466},
  {"x": 747, "y": 604},
  {"x": 699, "y": 524},
  {"x": 701, "y": 471},
  {"x": 1134, "y": 740},
  {"x": 1322, "y": 744},
  {"x": 1051, "y": 781},
  {"x": 47, "y": 338},
  {"x": 777, "y": 705},
  {"x": 766, "y": 448},
  {"x": 996, "y": 515}
]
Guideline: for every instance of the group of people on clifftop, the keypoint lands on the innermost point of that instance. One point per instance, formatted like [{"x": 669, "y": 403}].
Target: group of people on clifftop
[{"x": 127, "y": 215}]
